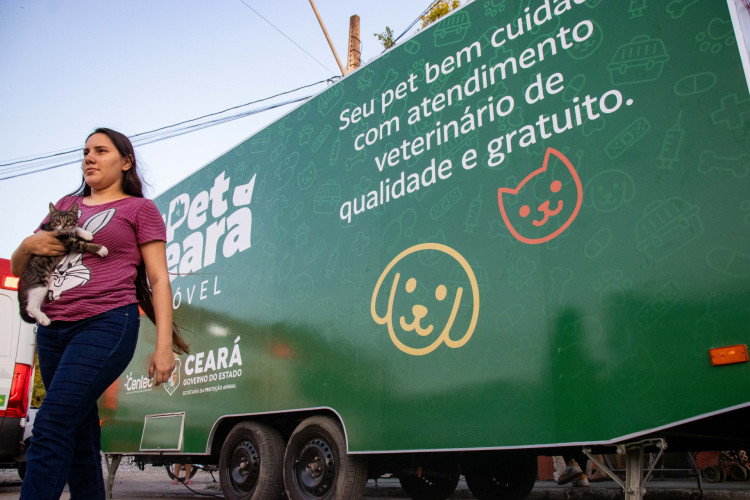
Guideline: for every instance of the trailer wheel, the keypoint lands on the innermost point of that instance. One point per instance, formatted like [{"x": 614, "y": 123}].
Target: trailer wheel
[
  {"x": 713, "y": 474},
  {"x": 737, "y": 472},
  {"x": 316, "y": 465},
  {"x": 423, "y": 484},
  {"x": 502, "y": 478},
  {"x": 250, "y": 464}
]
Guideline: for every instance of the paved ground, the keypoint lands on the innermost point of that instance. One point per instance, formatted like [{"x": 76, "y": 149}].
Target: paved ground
[{"x": 153, "y": 482}]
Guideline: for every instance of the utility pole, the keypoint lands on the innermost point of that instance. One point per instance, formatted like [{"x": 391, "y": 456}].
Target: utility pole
[
  {"x": 330, "y": 43},
  {"x": 353, "y": 59}
]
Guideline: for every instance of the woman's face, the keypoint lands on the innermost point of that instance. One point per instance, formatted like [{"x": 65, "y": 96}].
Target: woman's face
[{"x": 102, "y": 164}]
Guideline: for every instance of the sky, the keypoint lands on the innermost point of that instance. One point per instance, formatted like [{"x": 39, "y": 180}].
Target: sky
[{"x": 70, "y": 66}]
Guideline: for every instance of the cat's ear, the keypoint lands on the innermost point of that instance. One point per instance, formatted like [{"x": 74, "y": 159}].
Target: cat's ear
[
  {"x": 74, "y": 208},
  {"x": 52, "y": 208}
]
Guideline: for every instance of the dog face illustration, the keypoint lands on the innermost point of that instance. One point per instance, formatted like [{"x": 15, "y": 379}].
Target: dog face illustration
[
  {"x": 609, "y": 190},
  {"x": 422, "y": 308},
  {"x": 545, "y": 203}
]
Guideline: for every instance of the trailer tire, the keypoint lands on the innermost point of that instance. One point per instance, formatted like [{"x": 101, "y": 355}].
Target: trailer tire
[
  {"x": 713, "y": 474},
  {"x": 317, "y": 466},
  {"x": 509, "y": 479},
  {"x": 250, "y": 464},
  {"x": 428, "y": 485},
  {"x": 737, "y": 472}
]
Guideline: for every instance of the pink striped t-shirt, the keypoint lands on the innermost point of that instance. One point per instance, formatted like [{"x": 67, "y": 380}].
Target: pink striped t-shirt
[{"x": 85, "y": 285}]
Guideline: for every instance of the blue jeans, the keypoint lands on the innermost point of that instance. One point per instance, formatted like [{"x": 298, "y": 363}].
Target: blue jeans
[{"x": 78, "y": 360}]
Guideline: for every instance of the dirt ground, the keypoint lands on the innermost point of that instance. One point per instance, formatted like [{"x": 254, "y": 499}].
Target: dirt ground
[{"x": 153, "y": 482}]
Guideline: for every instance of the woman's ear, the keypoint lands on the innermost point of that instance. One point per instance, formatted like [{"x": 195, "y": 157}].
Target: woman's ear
[{"x": 128, "y": 163}]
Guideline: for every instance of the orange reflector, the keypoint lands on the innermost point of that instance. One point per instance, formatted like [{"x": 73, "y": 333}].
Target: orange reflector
[
  {"x": 729, "y": 355},
  {"x": 10, "y": 282}
]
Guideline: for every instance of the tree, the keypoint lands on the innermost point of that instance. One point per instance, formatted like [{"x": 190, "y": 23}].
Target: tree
[
  {"x": 38, "y": 392},
  {"x": 438, "y": 10},
  {"x": 386, "y": 38}
]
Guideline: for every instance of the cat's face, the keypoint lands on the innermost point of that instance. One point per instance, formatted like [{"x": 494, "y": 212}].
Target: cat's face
[
  {"x": 63, "y": 219},
  {"x": 545, "y": 203}
]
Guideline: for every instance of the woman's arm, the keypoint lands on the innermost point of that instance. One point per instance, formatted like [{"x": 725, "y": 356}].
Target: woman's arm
[
  {"x": 155, "y": 259},
  {"x": 40, "y": 243}
]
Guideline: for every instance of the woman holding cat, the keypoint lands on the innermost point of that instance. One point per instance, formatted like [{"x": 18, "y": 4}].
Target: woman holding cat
[{"x": 93, "y": 305}]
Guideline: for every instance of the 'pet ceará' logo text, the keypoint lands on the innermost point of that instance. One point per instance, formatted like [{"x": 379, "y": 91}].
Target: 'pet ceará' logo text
[{"x": 218, "y": 221}]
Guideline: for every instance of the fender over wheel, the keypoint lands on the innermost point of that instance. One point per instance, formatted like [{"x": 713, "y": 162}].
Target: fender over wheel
[
  {"x": 316, "y": 465},
  {"x": 502, "y": 477},
  {"x": 250, "y": 464}
]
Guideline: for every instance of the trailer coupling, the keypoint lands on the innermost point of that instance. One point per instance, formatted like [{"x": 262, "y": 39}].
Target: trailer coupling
[{"x": 634, "y": 484}]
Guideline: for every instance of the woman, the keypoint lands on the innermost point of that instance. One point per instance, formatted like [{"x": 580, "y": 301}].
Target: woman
[{"x": 95, "y": 318}]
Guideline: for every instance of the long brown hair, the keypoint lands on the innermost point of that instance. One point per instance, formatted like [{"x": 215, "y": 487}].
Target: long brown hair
[{"x": 133, "y": 186}]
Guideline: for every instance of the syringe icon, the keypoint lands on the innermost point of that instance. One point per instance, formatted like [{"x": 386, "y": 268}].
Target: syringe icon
[
  {"x": 670, "y": 148},
  {"x": 472, "y": 216}
]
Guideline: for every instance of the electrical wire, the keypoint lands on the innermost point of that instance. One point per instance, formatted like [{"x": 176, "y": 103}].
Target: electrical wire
[
  {"x": 73, "y": 155},
  {"x": 287, "y": 36},
  {"x": 416, "y": 20},
  {"x": 149, "y": 136}
]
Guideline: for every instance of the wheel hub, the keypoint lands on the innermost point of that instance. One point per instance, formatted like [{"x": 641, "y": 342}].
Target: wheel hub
[
  {"x": 244, "y": 466},
  {"x": 316, "y": 467}
]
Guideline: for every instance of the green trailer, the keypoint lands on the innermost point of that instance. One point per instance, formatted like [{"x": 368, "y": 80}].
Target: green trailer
[{"x": 524, "y": 231}]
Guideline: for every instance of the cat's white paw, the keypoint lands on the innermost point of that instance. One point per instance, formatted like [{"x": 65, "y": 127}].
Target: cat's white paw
[
  {"x": 102, "y": 252},
  {"x": 84, "y": 235},
  {"x": 42, "y": 319}
]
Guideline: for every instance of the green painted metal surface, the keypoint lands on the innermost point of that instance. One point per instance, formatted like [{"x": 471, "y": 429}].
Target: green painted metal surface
[
  {"x": 162, "y": 433},
  {"x": 526, "y": 225}
]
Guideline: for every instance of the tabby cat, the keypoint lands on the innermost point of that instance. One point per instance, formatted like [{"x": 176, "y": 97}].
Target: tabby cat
[{"x": 36, "y": 278}]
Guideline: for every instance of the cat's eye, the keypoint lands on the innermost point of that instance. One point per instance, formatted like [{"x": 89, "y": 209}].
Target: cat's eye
[{"x": 524, "y": 211}]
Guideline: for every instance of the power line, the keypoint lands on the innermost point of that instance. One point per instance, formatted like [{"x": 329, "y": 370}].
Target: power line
[
  {"x": 73, "y": 156},
  {"x": 149, "y": 132},
  {"x": 69, "y": 156},
  {"x": 416, "y": 20},
  {"x": 286, "y": 36}
]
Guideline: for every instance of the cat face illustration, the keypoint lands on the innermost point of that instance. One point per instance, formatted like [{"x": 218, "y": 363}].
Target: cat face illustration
[{"x": 545, "y": 203}]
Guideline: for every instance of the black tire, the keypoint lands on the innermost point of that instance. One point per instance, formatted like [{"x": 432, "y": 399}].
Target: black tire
[
  {"x": 737, "y": 472},
  {"x": 170, "y": 472},
  {"x": 316, "y": 465},
  {"x": 250, "y": 464},
  {"x": 425, "y": 484},
  {"x": 712, "y": 474},
  {"x": 502, "y": 478}
]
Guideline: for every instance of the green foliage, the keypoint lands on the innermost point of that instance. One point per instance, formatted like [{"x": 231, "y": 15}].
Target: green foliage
[
  {"x": 386, "y": 38},
  {"x": 441, "y": 8},
  {"x": 38, "y": 393}
]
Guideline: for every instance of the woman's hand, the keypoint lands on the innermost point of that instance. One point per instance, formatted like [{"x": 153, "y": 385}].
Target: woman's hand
[
  {"x": 162, "y": 365},
  {"x": 44, "y": 243},
  {"x": 40, "y": 243}
]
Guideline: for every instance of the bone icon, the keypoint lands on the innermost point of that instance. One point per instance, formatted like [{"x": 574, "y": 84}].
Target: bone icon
[{"x": 737, "y": 166}]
